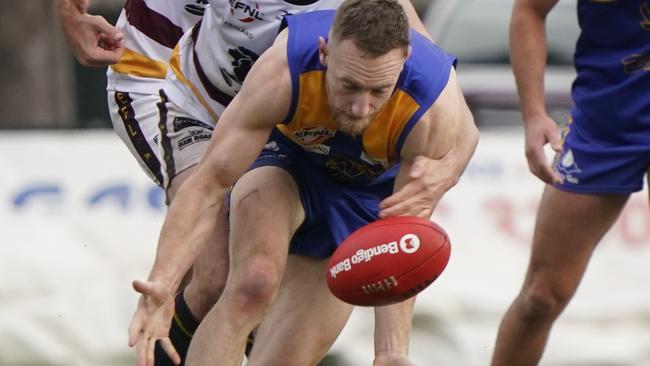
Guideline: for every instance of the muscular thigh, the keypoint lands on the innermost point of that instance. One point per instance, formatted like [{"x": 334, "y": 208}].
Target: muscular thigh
[
  {"x": 265, "y": 211},
  {"x": 305, "y": 319},
  {"x": 568, "y": 227}
]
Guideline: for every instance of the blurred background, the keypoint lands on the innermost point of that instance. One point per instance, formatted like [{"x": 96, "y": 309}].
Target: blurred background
[{"x": 79, "y": 220}]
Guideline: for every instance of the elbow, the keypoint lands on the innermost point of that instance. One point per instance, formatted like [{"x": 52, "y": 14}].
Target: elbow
[
  {"x": 475, "y": 136},
  {"x": 470, "y": 130}
]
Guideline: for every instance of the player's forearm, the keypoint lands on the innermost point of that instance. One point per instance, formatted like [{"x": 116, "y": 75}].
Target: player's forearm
[
  {"x": 465, "y": 146},
  {"x": 528, "y": 57},
  {"x": 393, "y": 328},
  {"x": 190, "y": 221}
]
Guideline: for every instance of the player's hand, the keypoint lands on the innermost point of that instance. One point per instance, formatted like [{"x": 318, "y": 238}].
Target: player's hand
[
  {"x": 539, "y": 132},
  {"x": 151, "y": 322},
  {"x": 82, "y": 5},
  {"x": 429, "y": 179},
  {"x": 391, "y": 360},
  {"x": 94, "y": 41}
]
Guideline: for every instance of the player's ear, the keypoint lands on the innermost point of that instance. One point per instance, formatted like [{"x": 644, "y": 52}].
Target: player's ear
[
  {"x": 323, "y": 51},
  {"x": 407, "y": 54}
]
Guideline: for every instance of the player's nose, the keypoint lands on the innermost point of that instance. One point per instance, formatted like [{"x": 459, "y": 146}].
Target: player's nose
[{"x": 360, "y": 107}]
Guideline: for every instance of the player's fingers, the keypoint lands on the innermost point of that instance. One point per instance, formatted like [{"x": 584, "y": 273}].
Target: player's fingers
[
  {"x": 100, "y": 57},
  {"x": 134, "y": 332},
  {"x": 167, "y": 345},
  {"x": 135, "y": 328},
  {"x": 404, "y": 207},
  {"x": 544, "y": 173},
  {"x": 409, "y": 190},
  {"x": 536, "y": 161},
  {"x": 151, "y": 346},
  {"x": 102, "y": 26},
  {"x": 425, "y": 212},
  {"x": 550, "y": 175},
  {"x": 141, "y": 351}
]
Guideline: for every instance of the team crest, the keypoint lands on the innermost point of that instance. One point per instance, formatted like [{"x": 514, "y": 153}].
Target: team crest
[{"x": 568, "y": 168}]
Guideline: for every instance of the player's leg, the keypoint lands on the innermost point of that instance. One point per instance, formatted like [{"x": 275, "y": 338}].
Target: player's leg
[
  {"x": 647, "y": 175},
  {"x": 304, "y": 320},
  {"x": 183, "y": 141},
  {"x": 568, "y": 227},
  {"x": 392, "y": 333},
  {"x": 265, "y": 212}
]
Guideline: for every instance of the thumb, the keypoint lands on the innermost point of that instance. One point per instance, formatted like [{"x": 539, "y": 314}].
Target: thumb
[
  {"x": 102, "y": 26},
  {"x": 141, "y": 287}
]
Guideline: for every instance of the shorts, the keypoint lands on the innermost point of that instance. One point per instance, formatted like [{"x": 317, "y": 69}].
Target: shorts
[
  {"x": 333, "y": 210},
  {"x": 592, "y": 165},
  {"x": 183, "y": 139},
  {"x": 135, "y": 119}
]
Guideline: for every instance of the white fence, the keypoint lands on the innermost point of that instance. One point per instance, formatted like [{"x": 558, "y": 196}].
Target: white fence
[{"x": 79, "y": 221}]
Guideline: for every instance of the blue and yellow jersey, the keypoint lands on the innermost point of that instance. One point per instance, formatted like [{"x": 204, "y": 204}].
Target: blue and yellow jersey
[
  {"x": 612, "y": 59},
  {"x": 364, "y": 158}
]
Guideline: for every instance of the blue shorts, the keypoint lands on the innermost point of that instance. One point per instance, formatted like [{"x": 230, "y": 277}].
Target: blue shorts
[
  {"x": 333, "y": 210},
  {"x": 592, "y": 164}
]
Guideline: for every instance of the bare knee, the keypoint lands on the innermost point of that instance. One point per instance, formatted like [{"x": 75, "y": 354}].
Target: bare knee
[
  {"x": 254, "y": 284},
  {"x": 292, "y": 360},
  {"x": 543, "y": 303}
]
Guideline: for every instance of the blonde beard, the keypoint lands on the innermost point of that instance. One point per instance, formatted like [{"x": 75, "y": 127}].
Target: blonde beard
[{"x": 356, "y": 128}]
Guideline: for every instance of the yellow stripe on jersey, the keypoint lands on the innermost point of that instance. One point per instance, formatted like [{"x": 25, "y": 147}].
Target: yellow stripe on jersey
[
  {"x": 312, "y": 109},
  {"x": 381, "y": 136},
  {"x": 137, "y": 64},
  {"x": 175, "y": 64}
]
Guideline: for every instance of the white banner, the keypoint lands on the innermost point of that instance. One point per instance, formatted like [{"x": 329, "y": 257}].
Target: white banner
[{"x": 79, "y": 221}]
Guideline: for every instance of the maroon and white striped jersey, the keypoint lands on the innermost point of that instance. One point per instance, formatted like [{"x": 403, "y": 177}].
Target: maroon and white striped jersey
[
  {"x": 211, "y": 60},
  {"x": 152, "y": 28}
]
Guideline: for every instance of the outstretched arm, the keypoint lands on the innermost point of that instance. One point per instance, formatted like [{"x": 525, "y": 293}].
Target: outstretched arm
[
  {"x": 94, "y": 42},
  {"x": 434, "y": 155},
  {"x": 237, "y": 139},
  {"x": 528, "y": 57}
]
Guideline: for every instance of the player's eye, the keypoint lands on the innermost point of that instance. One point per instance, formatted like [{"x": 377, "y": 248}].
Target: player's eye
[
  {"x": 379, "y": 92},
  {"x": 350, "y": 87}
]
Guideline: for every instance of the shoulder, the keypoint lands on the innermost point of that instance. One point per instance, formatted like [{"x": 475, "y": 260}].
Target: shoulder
[{"x": 439, "y": 123}]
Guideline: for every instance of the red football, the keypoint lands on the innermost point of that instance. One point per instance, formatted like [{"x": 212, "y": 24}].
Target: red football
[{"x": 388, "y": 261}]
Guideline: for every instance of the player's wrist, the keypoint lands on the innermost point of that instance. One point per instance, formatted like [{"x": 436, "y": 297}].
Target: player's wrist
[
  {"x": 392, "y": 359},
  {"x": 533, "y": 110},
  {"x": 166, "y": 280}
]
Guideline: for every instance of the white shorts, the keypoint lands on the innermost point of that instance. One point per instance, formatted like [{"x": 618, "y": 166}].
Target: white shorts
[
  {"x": 135, "y": 119},
  {"x": 183, "y": 140}
]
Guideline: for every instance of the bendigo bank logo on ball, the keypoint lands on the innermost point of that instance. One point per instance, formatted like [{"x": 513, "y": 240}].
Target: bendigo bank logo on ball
[{"x": 409, "y": 244}]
